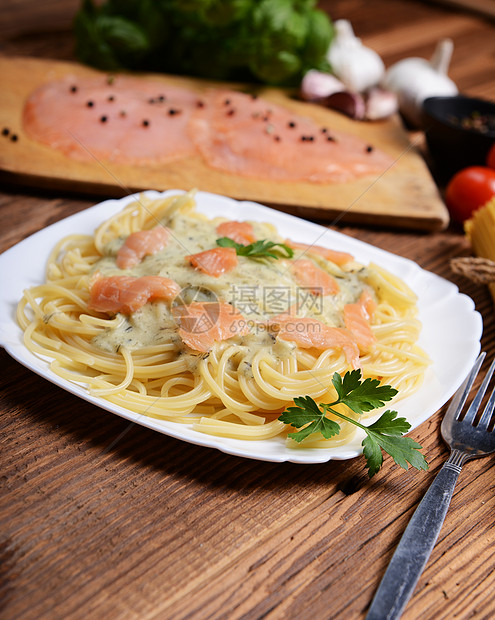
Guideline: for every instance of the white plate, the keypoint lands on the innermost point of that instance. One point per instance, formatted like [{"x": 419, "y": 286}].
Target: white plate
[{"x": 451, "y": 327}]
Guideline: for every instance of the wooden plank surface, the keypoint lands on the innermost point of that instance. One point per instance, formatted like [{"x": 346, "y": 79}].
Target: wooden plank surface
[
  {"x": 104, "y": 520},
  {"x": 403, "y": 195},
  {"x": 111, "y": 520}
]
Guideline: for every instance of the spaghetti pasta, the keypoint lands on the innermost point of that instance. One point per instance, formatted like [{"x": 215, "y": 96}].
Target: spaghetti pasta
[{"x": 229, "y": 352}]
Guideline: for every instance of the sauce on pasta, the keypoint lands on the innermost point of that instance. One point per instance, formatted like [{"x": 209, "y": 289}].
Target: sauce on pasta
[{"x": 226, "y": 353}]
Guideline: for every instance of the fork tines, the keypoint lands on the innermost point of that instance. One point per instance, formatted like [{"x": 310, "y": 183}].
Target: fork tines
[{"x": 456, "y": 407}]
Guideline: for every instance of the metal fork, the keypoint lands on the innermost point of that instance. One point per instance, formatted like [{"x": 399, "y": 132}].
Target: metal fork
[{"x": 467, "y": 440}]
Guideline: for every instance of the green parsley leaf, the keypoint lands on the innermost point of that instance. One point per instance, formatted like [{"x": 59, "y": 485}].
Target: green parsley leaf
[
  {"x": 385, "y": 434},
  {"x": 361, "y": 396},
  {"x": 259, "y": 249},
  {"x": 308, "y": 412},
  {"x": 389, "y": 424}
]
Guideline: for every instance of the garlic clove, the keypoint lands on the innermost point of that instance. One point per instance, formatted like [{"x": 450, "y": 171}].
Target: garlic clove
[
  {"x": 357, "y": 66},
  {"x": 317, "y": 85},
  {"x": 380, "y": 104},
  {"x": 351, "y": 104}
]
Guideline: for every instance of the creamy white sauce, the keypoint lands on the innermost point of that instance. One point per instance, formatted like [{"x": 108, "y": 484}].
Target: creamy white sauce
[{"x": 258, "y": 289}]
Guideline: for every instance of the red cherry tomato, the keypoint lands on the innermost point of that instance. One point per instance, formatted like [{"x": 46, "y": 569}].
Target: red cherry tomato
[
  {"x": 490, "y": 160},
  {"x": 468, "y": 190}
]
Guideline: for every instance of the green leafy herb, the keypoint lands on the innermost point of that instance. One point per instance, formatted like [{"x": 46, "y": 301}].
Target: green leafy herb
[
  {"x": 360, "y": 396},
  {"x": 271, "y": 41},
  {"x": 259, "y": 249},
  {"x": 307, "y": 413}
]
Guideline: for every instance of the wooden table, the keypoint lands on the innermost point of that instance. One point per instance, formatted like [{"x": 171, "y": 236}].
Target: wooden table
[{"x": 100, "y": 519}]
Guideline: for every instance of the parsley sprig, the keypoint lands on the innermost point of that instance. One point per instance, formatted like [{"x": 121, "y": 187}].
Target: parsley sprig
[
  {"x": 259, "y": 249},
  {"x": 360, "y": 396}
]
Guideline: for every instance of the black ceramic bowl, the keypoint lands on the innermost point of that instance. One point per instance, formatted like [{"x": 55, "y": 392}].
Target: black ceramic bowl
[{"x": 453, "y": 141}]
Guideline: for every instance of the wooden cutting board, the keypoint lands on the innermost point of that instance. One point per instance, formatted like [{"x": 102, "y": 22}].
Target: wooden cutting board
[{"x": 404, "y": 196}]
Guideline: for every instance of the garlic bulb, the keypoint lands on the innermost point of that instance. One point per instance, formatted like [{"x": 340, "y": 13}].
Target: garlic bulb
[
  {"x": 415, "y": 79},
  {"x": 357, "y": 66}
]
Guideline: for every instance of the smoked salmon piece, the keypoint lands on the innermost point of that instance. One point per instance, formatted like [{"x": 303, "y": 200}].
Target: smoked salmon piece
[
  {"x": 310, "y": 276},
  {"x": 140, "y": 244},
  {"x": 252, "y": 137},
  {"x": 142, "y": 121},
  {"x": 125, "y": 120},
  {"x": 368, "y": 303},
  {"x": 240, "y": 232},
  {"x": 201, "y": 324},
  {"x": 339, "y": 258},
  {"x": 214, "y": 262},
  {"x": 310, "y": 333},
  {"x": 357, "y": 320},
  {"x": 126, "y": 294}
]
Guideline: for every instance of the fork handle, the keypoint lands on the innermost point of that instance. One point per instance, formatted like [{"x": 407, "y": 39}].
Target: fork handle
[{"x": 416, "y": 544}]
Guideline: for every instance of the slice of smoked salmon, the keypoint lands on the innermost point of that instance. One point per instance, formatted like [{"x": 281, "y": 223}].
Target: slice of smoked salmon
[
  {"x": 127, "y": 294},
  {"x": 368, "y": 303},
  {"x": 253, "y": 137},
  {"x": 357, "y": 321},
  {"x": 201, "y": 324},
  {"x": 310, "y": 333},
  {"x": 126, "y": 120},
  {"x": 339, "y": 258},
  {"x": 310, "y": 276},
  {"x": 240, "y": 232},
  {"x": 214, "y": 262},
  {"x": 145, "y": 122},
  {"x": 140, "y": 244}
]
